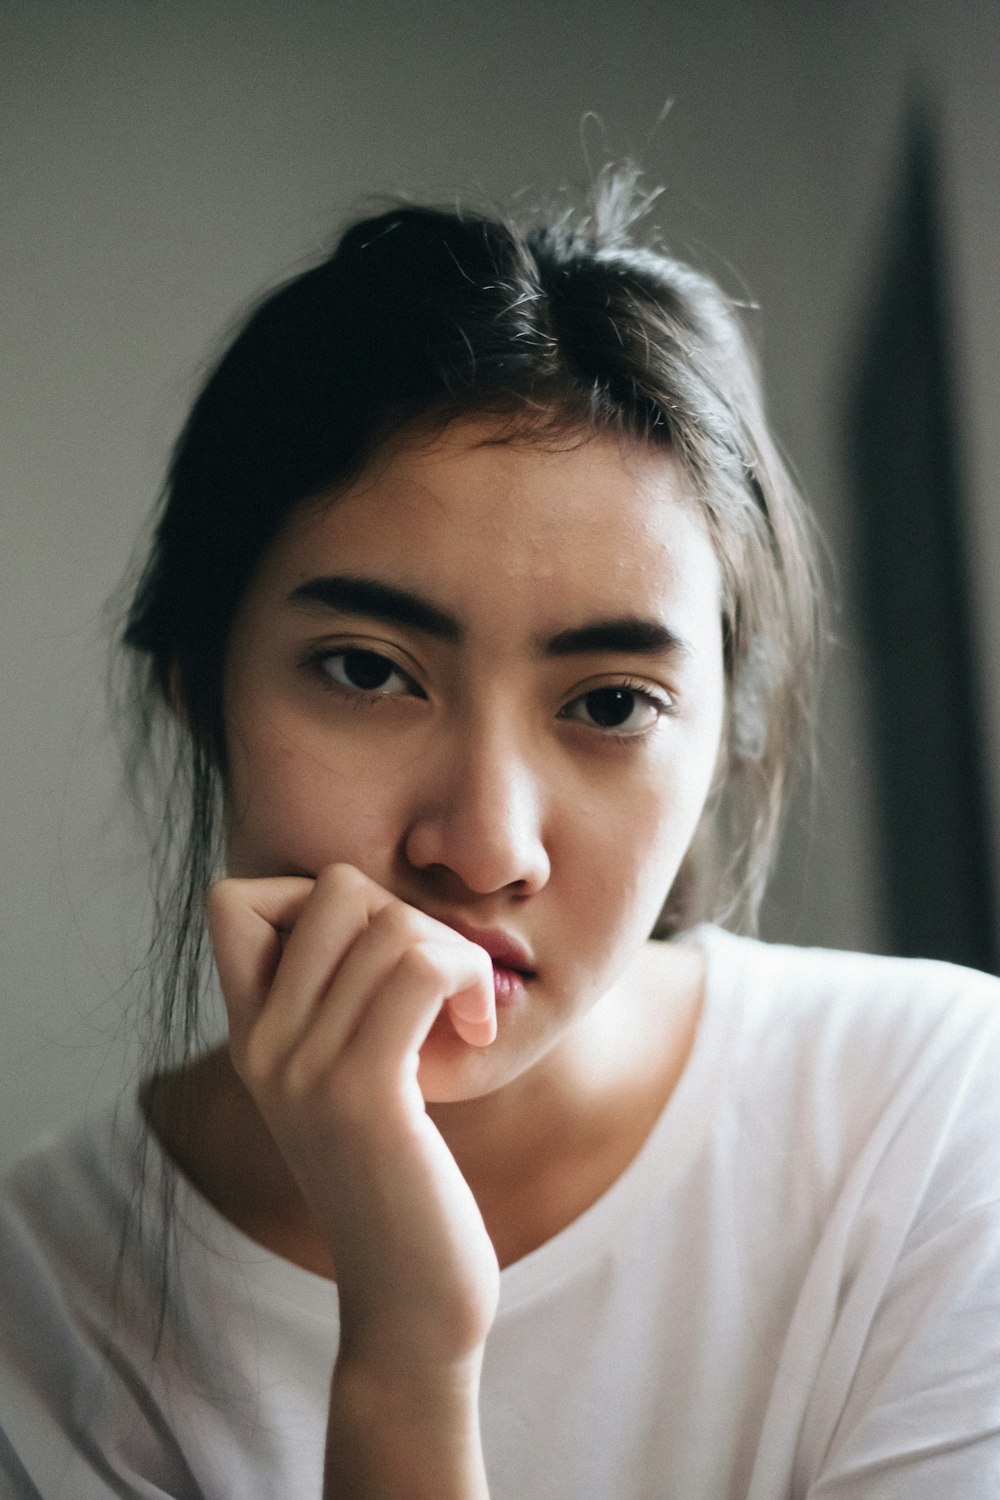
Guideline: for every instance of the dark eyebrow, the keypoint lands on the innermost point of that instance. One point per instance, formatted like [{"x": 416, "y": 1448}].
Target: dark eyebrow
[
  {"x": 630, "y": 634},
  {"x": 378, "y": 601}
]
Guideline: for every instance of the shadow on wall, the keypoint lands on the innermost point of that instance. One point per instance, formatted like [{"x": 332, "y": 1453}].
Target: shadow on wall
[{"x": 931, "y": 784}]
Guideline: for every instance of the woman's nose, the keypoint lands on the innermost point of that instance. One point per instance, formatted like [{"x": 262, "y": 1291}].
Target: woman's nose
[{"x": 480, "y": 815}]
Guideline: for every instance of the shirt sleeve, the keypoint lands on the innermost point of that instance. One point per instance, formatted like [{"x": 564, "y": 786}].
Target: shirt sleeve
[
  {"x": 921, "y": 1419},
  {"x": 76, "y": 1421}
]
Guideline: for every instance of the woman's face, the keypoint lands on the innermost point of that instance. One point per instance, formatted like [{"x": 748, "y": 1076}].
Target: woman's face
[{"x": 490, "y": 676}]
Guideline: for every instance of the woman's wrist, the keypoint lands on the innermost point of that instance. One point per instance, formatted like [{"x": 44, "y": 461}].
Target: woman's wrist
[{"x": 404, "y": 1429}]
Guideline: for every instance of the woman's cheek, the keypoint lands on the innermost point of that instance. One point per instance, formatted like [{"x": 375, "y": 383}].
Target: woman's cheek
[
  {"x": 295, "y": 806},
  {"x": 636, "y": 852}
]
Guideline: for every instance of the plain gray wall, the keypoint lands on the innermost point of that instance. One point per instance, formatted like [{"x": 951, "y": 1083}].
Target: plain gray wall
[{"x": 164, "y": 160}]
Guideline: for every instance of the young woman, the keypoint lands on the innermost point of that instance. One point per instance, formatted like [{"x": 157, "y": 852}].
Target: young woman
[{"x": 474, "y": 647}]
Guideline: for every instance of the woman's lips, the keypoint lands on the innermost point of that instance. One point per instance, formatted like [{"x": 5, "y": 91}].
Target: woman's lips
[
  {"x": 513, "y": 966},
  {"x": 508, "y": 984}
]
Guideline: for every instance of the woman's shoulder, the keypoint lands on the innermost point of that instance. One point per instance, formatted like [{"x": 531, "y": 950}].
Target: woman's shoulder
[
  {"x": 125, "y": 1297},
  {"x": 72, "y": 1187},
  {"x": 855, "y": 993},
  {"x": 63, "y": 1206},
  {"x": 838, "y": 1045},
  {"x": 849, "y": 1049}
]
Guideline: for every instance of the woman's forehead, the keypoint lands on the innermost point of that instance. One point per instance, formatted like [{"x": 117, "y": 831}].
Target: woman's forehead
[
  {"x": 597, "y": 516},
  {"x": 508, "y": 542}
]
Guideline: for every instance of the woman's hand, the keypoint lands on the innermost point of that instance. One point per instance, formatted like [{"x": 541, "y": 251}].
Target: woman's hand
[{"x": 331, "y": 987}]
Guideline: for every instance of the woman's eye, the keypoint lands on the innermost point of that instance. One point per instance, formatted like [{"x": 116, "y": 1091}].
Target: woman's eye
[
  {"x": 366, "y": 672},
  {"x": 622, "y": 710}
]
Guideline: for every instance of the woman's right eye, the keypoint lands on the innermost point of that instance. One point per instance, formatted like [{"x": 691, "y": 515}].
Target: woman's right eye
[{"x": 365, "y": 672}]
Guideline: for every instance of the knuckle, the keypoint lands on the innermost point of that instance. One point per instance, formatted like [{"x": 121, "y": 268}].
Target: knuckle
[
  {"x": 399, "y": 922},
  {"x": 253, "y": 1061},
  {"x": 418, "y": 966},
  {"x": 298, "y": 1078},
  {"x": 382, "y": 923},
  {"x": 340, "y": 880},
  {"x": 417, "y": 927},
  {"x": 221, "y": 897}
]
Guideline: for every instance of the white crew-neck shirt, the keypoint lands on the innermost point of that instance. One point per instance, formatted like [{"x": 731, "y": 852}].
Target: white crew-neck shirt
[{"x": 793, "y": 1290}]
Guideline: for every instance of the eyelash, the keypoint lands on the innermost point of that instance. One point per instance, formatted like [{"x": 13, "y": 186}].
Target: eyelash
[
  {"x": 662, "y": 706},
  {"x": 316, "y": 662}
]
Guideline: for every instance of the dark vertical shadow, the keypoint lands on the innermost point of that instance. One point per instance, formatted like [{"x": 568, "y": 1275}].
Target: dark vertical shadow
[{"x": 930, "y": 775}]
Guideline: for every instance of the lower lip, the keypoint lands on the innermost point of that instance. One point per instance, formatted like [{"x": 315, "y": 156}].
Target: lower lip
[{"x": 508, "y": 984}]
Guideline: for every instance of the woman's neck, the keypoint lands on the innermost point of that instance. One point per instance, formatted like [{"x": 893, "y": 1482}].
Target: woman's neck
[{"x": 536, "y": 1154}]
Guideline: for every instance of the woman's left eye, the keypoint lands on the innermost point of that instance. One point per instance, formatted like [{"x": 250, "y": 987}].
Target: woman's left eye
[
  {"x": 621, "y": 710},
  {"x": 365, "y": 672}
]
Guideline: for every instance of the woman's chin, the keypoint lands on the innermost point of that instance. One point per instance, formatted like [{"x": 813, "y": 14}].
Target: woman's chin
[{"x": 451, "y": 1070}]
